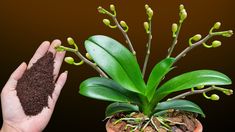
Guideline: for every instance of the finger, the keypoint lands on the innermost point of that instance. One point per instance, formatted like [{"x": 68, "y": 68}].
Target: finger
[
  {"x": 55, "y": 43},
  {"x": 59, "y": 85},
  {"x": 41, "y": 51},
  {"x": 15, "y": 76},
  {"x": 59, "y": 57}
]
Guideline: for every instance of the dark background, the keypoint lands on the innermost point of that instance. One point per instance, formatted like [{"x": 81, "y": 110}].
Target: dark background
[{"x": 25, "y": 24}]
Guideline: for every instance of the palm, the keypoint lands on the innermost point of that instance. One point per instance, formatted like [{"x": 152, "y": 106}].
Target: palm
[{"x": 13, "y": 113}]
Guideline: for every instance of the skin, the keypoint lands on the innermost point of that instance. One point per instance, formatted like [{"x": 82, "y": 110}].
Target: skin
[{"x": 14, "y": 118}]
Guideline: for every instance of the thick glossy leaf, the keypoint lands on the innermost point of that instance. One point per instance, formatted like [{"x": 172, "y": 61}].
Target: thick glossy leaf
[
  {"x": 117, "y": 61},
  {"x": 192, "y": 79},
  {"x": 157, "y": 74},
  {"x": 106, "y": 89},
  {"x": 184, "y": 105},
  {"x": 120, "y": 107}
]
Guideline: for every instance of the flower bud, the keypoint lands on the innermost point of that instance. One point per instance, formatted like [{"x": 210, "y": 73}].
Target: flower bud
[
  {"x": 88, "y": 56},
  {"x": 181, "y": 7},
  {"x": 214, "y": 97},
  {"x": 59, "y": 49},
  {"x": 217, "y": 25},
  {"x": 70, "y": 41},
  {"x": 101, "y": 10},
  {"x": 200, "y": 87},
  {"x": 112, "y": 7},
  {"x": 197, "y": 37},
  {"x": 106, "y": 22},
  {"x": 69, "y": 60},
  {"x": 150, "y": 13},
  {"x": 146, "y": 26},
  {"x": 183, "y": 15},
  {"x": 228, "y": 33},
  {"x": 228, "y": 92},
  {"x": 216, "y": 44},
  {"x": 123, "y": 24},
  {"x": 146, "y": 6},
  {"x": 174, "y": 27}
]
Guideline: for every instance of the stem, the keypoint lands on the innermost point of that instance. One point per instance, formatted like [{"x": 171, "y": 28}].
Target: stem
[
  {"x": 93, "y": 65},
  {"x": 124, "y": 34},
  {"x": 203, "y": 41},
  {"x": 185, "y": 51},
  {"x": 148, "y": 48},
  {"x": 183, "y": 95},
  {"x": 175, "y": 40}
]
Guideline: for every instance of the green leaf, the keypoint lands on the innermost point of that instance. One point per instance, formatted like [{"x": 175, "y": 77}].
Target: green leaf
[
  {"x": 120, "y": 107},
  {"x": 190, "y": 80},
  {"x": 117, "y": 61},
  {"x": 106, "y": 89},
  {"x": 184, "y": 105},
  {"x": 157, "y": 74}
]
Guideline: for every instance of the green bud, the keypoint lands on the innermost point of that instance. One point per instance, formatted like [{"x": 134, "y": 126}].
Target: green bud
[
  {"x": 181, "y": 7},
  {"x": 59, "y": 49},
  {"x": 146, "y": 26},
  {"x": 101, "y": 10},
  {"x": 150, "y": 13},
  {"x": 200, "y": 87},
  {"x": 174, "y": 27},
  {"x": 228, "y": 92},
  {"x": 106, "y": 22},
  {"x": 228, "y": 33},
  {"x": 214, "y": 97},
  {"x": 123, "y": 24},
  {"x": 146, "y": 6},
  {"x": 69, "y": 60},
  {"x": 216, "y": 44},
  {"x": 217, "y": 25},
  {"x": 183, "y": 15},
  {"x": 70, "y": 41},
  {"x": 197, "y": 37},
  {"x": 88, "y": 56},
  {"x": 112, "y": 7}
]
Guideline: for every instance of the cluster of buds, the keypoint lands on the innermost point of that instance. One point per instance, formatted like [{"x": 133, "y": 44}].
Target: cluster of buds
[
  {"x": 215, "y": 97},
  {"x": 182, "y": 14},
  {"x": 215, "y": 43},
  {"x": 112, "y": 14},
  {"x": 149, "y": 13},
  {"x": 70, "y": 60}
]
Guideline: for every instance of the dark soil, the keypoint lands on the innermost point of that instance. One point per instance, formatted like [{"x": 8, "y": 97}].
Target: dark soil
[
  {"x": 180, "y": 122},
  {"x": 36, "y": 85}
]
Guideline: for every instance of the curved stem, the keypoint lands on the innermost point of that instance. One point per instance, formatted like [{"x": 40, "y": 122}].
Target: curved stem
[{"x": 148, "y": 49}]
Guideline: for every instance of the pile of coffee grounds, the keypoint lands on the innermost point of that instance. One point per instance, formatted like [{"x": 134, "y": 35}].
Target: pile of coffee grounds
[{"x": 36, "y": 85}]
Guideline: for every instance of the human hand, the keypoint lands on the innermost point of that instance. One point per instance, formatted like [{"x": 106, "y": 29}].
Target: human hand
[{"x": 14, "y": 118}]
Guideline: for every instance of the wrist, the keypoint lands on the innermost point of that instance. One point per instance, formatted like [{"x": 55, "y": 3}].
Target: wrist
[{"x": 8, "y": 128}]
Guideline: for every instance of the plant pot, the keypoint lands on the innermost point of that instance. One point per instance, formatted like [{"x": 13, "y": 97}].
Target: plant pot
[{"x": 110, "y": 127}]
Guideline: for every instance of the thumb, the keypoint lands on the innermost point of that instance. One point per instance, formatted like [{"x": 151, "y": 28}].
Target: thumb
[{"x": 15, "y": 76}]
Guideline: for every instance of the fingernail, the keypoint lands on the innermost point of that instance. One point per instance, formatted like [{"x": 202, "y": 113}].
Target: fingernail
[{"x": 66, "y": 72}]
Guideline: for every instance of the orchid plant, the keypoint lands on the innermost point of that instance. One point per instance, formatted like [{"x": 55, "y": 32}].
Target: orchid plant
[{"x": 122, "y": 82}]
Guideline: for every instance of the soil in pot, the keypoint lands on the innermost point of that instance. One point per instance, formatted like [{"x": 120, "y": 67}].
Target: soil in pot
[
  {"x": 178, "y": 121},
  {"x": 36, "y": 85}
]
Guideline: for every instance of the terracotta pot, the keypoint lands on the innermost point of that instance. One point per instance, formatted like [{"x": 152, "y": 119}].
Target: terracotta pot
[{"x": 109, "y": 127}]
